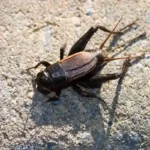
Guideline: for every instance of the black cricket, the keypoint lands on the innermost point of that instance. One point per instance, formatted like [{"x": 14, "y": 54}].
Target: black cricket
[{"x": 79, "y": 67}]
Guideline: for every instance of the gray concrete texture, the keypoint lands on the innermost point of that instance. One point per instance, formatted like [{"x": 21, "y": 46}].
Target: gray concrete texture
[{"x": 31, "y": 31}]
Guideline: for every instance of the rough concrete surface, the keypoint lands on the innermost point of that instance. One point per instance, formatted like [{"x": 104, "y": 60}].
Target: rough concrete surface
[{"x": 31, "y": 31}]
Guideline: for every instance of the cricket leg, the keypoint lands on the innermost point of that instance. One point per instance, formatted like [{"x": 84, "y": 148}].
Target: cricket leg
[
  {"x": 101, "y": 78},
  {"x": 129, "y": 25},
  {"x": 44, "y": 63},
  {"x": 98, "y": 79},
  {"x": 62, "y": 51},
  {"x": 121, "y": 31},
  {"x": 56, "y": 97},
  {"x": 82, "y": 42},
  {"x": 142, "y": 35}
]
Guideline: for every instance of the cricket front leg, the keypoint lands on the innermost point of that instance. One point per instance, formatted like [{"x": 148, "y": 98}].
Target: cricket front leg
[
  {"x": 44, "y": 63},
  {"x": 56, "y": 97}
]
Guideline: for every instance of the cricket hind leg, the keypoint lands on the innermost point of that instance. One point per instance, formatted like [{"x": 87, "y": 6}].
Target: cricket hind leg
[
  {"x": 96, "y": 80},
  {"x": 128, "y": 42},
  {"x": 129, "y": 25},
  {"x": 82, "y": 42},
  {"x": 122, "y": 31}
]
